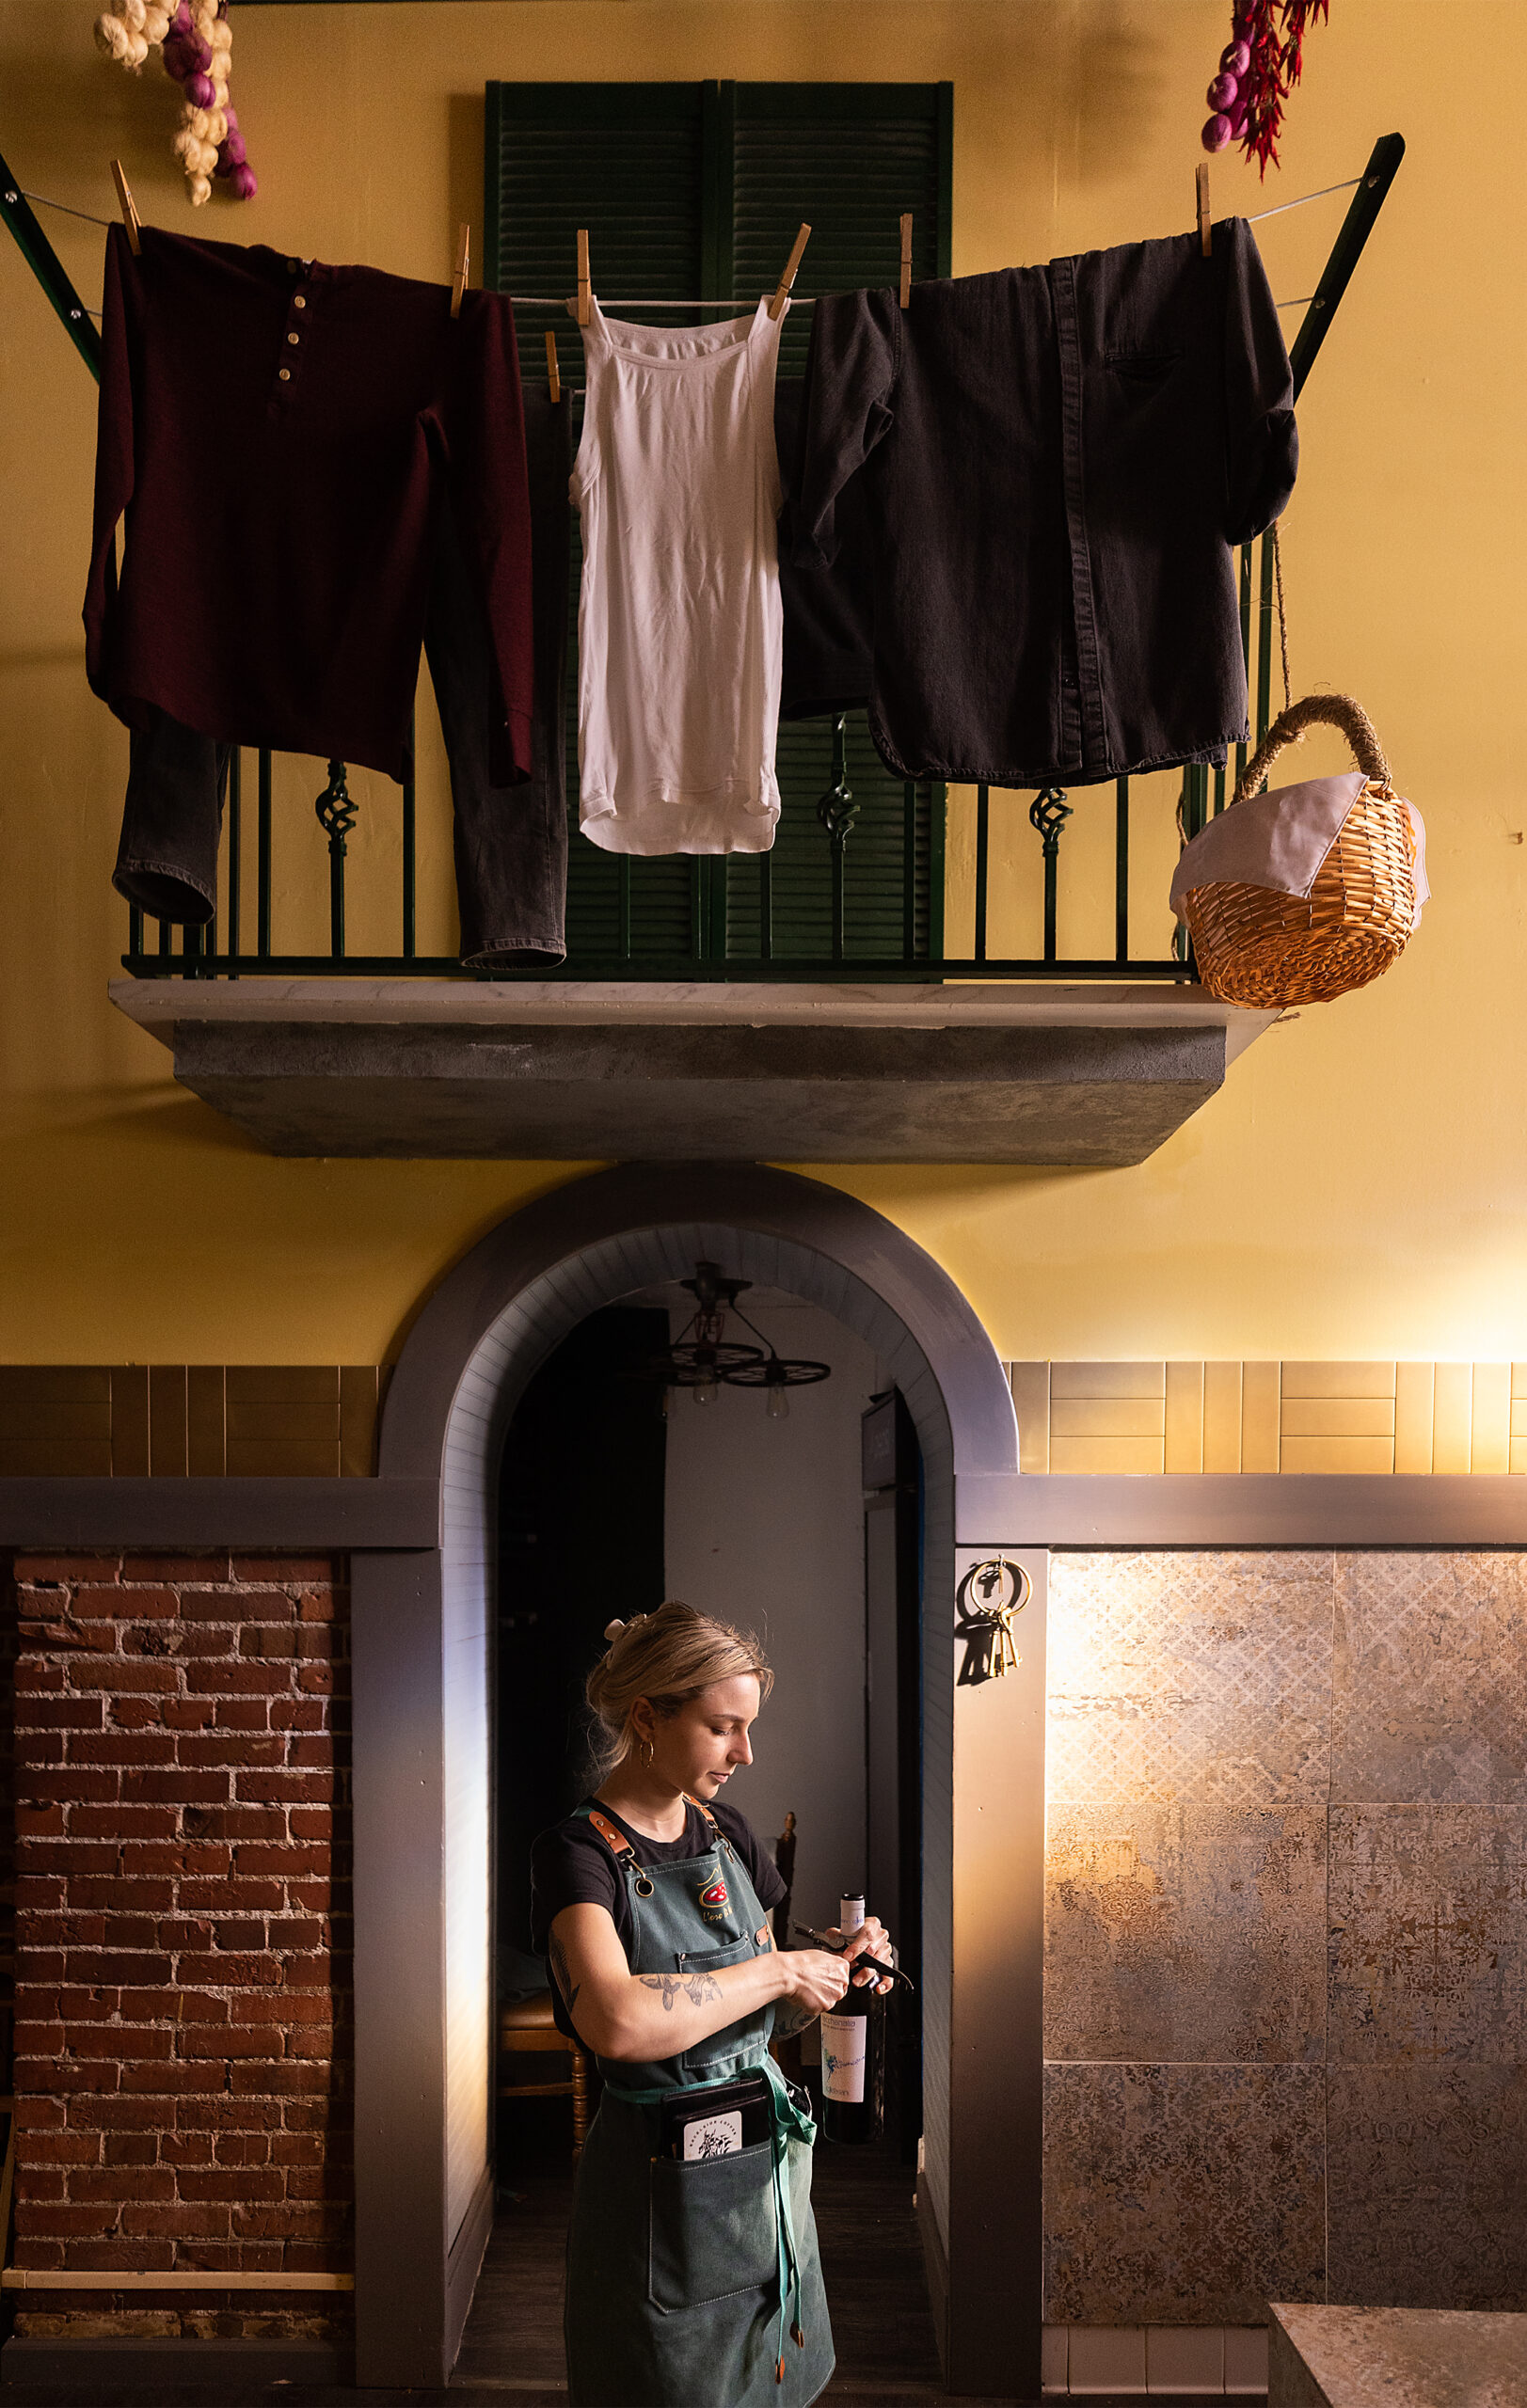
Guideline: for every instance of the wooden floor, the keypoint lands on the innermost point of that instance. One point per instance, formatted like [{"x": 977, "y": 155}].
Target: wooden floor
[{"x": 871, "y": 2260}]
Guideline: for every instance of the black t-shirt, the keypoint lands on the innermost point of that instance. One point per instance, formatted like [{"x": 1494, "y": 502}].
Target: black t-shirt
[{"x": 570, "y": 1866}]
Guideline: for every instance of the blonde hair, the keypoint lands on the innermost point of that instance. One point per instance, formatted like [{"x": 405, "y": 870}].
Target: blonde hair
[{"x": 667, "y": 1658}]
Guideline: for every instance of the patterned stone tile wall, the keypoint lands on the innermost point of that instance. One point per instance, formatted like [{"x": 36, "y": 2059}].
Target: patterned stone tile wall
[{"x": 1286, "y": 1951}]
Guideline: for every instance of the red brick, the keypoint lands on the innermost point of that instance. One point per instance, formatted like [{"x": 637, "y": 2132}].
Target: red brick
[
  {"x": 175, "y": 1788},
  {"x": 128, "y": 2148},
  {"x": 65, "y": 1714},
  {"x": 307, "y": 1570},
  {"x": 177, "y": 1569},
  {"x": 38, "y": 2185},
  {"x": 39, "y": 1821},
  {"x": 141, "y": 1825},
  {"x": 251, "y": 1680},
  {"x": 32, "y": 1678},
  {"x": 125, "y": 1604},
  {"x": 134, "y": 2182},
  {"x": 118, "y": 1672},
  {"x": 230, "y": 1749},
  {"x": 241, "y": 2183},
  {"x": 116, "y": 2114},
  {"x": 136, "y": 1966},
  {"x": 205, "y": 2221},
  {"x": 141, "y": 1713},
  {"x": 188, "y": 1714},
  {"x": 245, "y": 1893},
  {"x": 171, "y": 2081},
  {"x": 286, "y": 2008},
  {"x": 298, "y": 1714},
  {"x": 122, "y": 1748},
  {"x": 234, "y": 1971},
  {"x": 245, "y": 1714},
  {"x": 27, "y": 1568},
  {"x": 227, "y": 2041},
  {"x": 301, "y": 1788}
]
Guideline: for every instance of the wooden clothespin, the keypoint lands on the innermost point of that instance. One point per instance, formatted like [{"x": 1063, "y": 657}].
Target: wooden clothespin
[
  {"x": 464, "y": 260},
  {"x": 552, "y": 378},
  {"x": 782, "y": 289},
  {"x": 129, "y": 208},
  {"x": 585, "y": 289},
  {"x": 906, "y": 261},
  {"x": 1202, "y": 180}
]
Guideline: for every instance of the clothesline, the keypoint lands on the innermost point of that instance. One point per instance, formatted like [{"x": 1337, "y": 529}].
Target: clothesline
[{"x": 562, "y": 300}]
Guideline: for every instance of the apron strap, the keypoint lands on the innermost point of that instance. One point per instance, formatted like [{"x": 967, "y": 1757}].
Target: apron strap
[{"x": 613, "y": 1838}]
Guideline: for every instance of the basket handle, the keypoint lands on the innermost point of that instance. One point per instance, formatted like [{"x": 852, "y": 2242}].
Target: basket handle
[{"x": 1331, "y": 710}]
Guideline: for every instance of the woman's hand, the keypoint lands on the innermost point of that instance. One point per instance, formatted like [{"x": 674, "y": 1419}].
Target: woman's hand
[
  {"x": 815, "y": 1982},
  {"x": 873, "y": 1940}
]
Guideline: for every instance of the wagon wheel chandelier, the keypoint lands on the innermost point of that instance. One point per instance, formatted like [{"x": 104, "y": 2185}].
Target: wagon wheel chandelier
[{"x": 704, "y": 1359}]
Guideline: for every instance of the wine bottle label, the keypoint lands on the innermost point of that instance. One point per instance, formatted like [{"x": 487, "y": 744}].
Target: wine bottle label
[
  {"x": 844, "y": 2040},
  {"x": 851, "y": 1914}
]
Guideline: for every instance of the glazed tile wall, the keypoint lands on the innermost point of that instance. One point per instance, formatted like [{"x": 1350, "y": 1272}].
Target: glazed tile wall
[
  {"x": 1286, "y": 1953},
  {"x": 250, "y": 1421},
  {"x": 1271, "y": 1417}
]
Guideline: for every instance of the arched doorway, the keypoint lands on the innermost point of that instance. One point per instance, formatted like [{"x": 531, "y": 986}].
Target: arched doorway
[{"x": 423, "y": 1721}]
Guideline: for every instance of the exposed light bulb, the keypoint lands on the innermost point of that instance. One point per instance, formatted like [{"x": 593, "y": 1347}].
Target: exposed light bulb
[
  {"x": 705, "y": 1391},
  {"x": 777, "y": 1406}
]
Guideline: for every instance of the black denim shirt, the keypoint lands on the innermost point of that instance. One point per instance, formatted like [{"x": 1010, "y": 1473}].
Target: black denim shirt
[{"x": 1058, "y": 460}]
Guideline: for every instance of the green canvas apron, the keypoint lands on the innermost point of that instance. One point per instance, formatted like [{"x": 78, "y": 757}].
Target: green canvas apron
[{"x": 694, "y": 2284}]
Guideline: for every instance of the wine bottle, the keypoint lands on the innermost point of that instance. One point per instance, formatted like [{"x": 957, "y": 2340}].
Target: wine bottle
[{"x": 848, "y": 2099}]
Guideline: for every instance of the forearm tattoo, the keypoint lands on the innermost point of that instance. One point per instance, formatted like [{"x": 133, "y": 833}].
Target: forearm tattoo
[
  {"x": 568, "y": 1988},
  {"x": 699, "y": 1988}
]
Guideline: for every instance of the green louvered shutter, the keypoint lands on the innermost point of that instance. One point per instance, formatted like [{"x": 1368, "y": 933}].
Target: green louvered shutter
[{"x": 697, "y": 189}]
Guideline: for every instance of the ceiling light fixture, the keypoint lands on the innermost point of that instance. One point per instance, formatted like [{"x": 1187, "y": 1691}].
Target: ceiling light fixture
[{"x": 704, "y": 1359}]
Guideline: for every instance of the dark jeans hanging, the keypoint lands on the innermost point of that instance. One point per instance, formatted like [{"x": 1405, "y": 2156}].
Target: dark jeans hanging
[{"x": 510, "y": 842}]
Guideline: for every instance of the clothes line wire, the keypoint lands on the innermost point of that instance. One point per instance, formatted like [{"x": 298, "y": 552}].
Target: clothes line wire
[
  {"x": 1324, "y": 194},
  {"x": 803, "y": 301},
  {"x": 44, "y": 202}
]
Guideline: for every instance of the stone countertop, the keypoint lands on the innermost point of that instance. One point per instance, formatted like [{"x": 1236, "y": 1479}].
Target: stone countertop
[{"x": 1395, "y": 2357}]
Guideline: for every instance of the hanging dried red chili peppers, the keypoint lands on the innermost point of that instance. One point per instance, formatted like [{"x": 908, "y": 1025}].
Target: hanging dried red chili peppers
[{"x": 1258, "y": 69}]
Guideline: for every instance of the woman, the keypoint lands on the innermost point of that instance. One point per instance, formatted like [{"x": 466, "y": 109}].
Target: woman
[{"x": 693, "y": 2278}]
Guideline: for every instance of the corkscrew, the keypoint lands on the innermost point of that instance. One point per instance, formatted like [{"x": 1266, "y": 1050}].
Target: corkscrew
[{"x": 835, "y": 1948}]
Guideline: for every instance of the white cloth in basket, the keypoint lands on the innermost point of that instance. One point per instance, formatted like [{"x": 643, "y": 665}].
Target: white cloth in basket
[{"x": 1279, "y": 840}]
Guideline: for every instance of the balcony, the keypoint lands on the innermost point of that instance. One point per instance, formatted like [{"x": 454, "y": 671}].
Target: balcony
[{"x": 913, "y": 974}]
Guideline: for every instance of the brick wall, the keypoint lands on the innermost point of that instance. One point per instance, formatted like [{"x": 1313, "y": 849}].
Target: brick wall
[{"x": 184, "y": 1987}]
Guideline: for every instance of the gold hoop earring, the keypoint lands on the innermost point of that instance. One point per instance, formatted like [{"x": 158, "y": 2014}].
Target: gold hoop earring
[{"x": 646, "y": 1755}]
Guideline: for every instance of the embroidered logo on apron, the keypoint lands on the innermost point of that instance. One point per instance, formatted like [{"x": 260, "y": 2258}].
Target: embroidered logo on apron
[{"x": 714, "y": 1893}]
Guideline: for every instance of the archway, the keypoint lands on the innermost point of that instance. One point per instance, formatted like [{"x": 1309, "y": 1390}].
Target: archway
[{"x": 421, "y": 1740}]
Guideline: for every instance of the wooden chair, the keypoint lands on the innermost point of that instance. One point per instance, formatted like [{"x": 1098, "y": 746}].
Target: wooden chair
[{"x": 527, "y": 2025}]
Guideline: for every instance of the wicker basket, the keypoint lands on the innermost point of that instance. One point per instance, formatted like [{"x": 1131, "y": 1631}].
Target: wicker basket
[{"x": 1256, "y": 946}]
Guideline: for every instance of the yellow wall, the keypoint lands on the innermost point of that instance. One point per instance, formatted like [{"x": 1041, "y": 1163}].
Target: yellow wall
[{"x": 1356, "y": 1190}]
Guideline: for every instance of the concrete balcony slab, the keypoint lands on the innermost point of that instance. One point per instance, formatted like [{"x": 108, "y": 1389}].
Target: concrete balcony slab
[{"x": 1082, "y": 1077}]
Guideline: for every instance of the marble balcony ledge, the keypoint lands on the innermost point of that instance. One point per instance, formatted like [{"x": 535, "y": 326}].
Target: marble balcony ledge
[{"x": 1056, "y": 1075}]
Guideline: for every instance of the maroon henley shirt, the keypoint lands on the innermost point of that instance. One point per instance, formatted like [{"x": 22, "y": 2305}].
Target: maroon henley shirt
[{"x": 274, "y": 430}]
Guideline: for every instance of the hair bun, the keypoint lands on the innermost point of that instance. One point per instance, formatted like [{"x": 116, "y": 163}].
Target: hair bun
[{"x": 614, "y": 1629}]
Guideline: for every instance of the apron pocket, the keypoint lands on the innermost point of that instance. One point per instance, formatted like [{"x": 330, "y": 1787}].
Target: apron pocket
[
  {"x": 712, "y": 2228},
  {"x": 734, "y": 2041}
]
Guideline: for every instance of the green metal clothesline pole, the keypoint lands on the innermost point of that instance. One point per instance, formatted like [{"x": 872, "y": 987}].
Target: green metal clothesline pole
[{"x": 48, "y": 268}]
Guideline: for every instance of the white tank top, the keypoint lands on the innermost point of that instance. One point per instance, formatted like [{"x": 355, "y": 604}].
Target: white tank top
[{"x": 679, "y": 624}]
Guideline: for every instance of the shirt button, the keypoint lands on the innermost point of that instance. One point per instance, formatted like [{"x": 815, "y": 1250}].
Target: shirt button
[
  {"x": 285, "y": 375},
  {"x": 300, "y": 301},
  {"x": 293, "y": 337}
]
